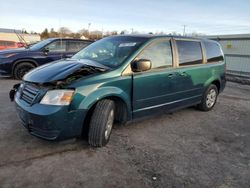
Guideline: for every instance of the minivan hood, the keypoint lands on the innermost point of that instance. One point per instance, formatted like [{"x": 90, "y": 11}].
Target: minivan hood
[{"x": 59, "y": 70}]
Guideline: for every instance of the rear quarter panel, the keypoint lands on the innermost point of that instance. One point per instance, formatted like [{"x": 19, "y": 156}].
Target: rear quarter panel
[{"x": 203, "y": 75}]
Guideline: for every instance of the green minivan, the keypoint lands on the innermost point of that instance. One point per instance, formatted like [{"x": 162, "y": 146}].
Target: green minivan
[{"x": 118, "y": 79}]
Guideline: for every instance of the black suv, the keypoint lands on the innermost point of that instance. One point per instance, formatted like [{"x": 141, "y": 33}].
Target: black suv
[{"x": 17, "y": 62}]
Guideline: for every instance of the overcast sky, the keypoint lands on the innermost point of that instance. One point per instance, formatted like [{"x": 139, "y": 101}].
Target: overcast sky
[{"x": 202, "y": 16}]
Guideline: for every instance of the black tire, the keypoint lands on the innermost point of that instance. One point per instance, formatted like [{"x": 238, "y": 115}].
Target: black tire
[
  {"x": 21, "y": 69},
  {"x": 99, "y": 122},
  {"x": 207, "y": 104},
  {"x": 121, "y": 113}
]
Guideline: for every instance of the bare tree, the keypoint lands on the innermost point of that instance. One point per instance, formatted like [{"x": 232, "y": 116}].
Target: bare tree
[
  {"x": 64, "y": 31},
  {"x": 84, "y": 32}
]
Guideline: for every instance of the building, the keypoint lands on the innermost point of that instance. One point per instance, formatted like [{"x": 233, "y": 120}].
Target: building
[
  {"x": 18, "y": 35},
  {"x": 237, "y": 53}
]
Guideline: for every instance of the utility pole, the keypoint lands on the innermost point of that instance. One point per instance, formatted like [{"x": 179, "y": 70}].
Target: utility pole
[
  {"x": 89, "y": 24},
  {"x": 184, "y": 30}
]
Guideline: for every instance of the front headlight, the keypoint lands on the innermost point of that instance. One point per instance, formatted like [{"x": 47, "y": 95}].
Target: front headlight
[{"x": 58, "y": 97}]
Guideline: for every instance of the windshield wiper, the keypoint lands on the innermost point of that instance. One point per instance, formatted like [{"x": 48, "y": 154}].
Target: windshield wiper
[
  {"x": 93, "y": 68},
  {"x": 94, "y": 64}
]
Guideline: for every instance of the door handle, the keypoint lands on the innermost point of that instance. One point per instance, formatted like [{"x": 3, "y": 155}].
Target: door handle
[
  {"x": 171, "y": 75},
  {"x": 183, "y": 74}
]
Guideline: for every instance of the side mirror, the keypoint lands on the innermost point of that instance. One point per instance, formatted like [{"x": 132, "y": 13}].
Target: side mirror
[
  {"x": 141, "y": 65},
  {"x": 46, "y": 50}
]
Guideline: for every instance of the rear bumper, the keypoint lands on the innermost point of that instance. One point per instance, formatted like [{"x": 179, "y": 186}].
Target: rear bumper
[{"x": 50, "y": 122}]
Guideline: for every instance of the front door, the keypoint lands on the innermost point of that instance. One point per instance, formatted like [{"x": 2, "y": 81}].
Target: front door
[
  {"x": 155, "y": 88},
  {"x": 56, "y": 51}
]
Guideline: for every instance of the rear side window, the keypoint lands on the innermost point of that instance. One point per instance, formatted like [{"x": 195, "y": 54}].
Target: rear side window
[
  {"x": 213, "y": 52},
  {"x": 189, "y": 52},
  {"x": 160, "y": 54},
  {"x": 75, "y": 46}
]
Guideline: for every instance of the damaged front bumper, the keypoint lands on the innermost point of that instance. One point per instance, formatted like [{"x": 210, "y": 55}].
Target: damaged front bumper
[{"x": 50, "y": 122}]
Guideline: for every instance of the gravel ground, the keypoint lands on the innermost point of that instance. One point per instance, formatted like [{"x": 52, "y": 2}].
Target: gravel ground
[{"x": 188, "y": 148}]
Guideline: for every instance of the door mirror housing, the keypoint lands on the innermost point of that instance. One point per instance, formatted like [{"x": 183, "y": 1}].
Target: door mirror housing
[
  {"x": 46, "y": 50},
  {"x": 141, "y": 65}
]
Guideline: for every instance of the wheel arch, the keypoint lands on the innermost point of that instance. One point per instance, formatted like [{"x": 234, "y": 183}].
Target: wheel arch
[
  {"x": 217, "y": 84},
  {"x": 121, "y": 99},
  {"x": 19, "y": 61},
  {"x": 215, "y": 81},
  {"x": 122, "y": 107}
]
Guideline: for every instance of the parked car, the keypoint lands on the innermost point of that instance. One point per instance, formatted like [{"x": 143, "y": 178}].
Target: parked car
[
  {"x": 4, "y": 44},
  {"x": 119, "y": 78},
  {"x": 18, "y": 62}
]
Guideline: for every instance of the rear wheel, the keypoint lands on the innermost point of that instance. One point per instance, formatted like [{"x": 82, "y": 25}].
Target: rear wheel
[
  {"x": 209, "y": 98},
  {"x": 101, "y": 123},
  {"x": 21, "y": 69}
]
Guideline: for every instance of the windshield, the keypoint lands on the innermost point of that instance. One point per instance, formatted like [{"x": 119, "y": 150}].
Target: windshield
[
  {"x": 111, "y": 51},
  {"x": 41, "y": 44}
]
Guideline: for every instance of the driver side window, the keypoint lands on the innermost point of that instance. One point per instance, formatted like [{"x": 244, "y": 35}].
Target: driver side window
[
  {"x": 57, "y": 46},
  {"x": 159, "y": 53}
]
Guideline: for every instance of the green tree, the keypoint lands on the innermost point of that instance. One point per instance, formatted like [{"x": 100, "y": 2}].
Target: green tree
[
  {"x": 24, "y": 31},
  {"x": 45, "y": 34},
  {"x": 53, "y": 33}
]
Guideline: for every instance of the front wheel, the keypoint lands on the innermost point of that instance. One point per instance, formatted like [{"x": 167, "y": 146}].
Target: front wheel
[
  {"x": 21, "y": 69},
  {"x": 101, "y": 123},
  {"x": 209, "y": 98}
]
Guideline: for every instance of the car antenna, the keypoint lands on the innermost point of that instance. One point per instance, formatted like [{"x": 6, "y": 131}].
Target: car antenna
[{"x": 21, "y": 39}]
